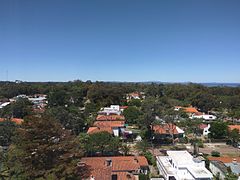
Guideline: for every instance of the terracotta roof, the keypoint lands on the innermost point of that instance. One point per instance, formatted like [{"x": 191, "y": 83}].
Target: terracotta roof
[
  {"x": 202, "y": 126},
  {"x": 93, "y": 130},
  {"x": 109, "y": 123},
  {"x": 165, "y": 129},
  {"x": 232, "y": 127},
  {"x": 123, "y": 107},
  {"x": 190, "y": 110},
  {"x": 110, "y": 117},
  {"x": 15, "y": 120},
  {"x": 124, "y": 176},
  {"x": 225, "y": 159},
  {"x": 119, "y": 165}
]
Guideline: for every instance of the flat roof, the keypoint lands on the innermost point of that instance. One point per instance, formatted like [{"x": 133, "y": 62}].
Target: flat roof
[{"x": 180, "y": 157}]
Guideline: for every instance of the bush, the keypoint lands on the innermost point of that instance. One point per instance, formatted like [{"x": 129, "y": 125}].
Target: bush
[
  {"x": 215, "y": 154},
  {"x": 150, "y": 158}
]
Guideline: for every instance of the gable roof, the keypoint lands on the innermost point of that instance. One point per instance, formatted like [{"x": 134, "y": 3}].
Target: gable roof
[
  {"x": 166, "y": 129},
  {"x": 120, "y": 165},
  {"x": 111, "y": 124},
  {"x": 93, "y": 130},
  {"x": 110, "y": 117},
  {"x": 190, "y": 110}
]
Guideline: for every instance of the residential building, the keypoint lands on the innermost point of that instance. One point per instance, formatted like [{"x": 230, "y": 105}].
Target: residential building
[
  {"x": 193, "y": 113},
  {"x": 117, "y": 167},
  {"x": 135, "y": 95},
  {"x": 232, "y": 162},
  {"x": 110, "y": 118},
  {"x": 113, "y": 109},
  {"x": 204, "y": 129},
  {"x": 181, "y": 165},
  {"x": 167, "y": 130},
  {"x": 207, "y": 117},
  {"x": 219, "y": 169}
]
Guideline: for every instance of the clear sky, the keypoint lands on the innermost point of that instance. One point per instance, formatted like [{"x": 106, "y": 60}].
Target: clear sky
[{"x": 120, "y": 40}]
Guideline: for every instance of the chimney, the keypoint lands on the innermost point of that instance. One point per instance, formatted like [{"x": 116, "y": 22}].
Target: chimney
[{"x": 234, "y": 161}]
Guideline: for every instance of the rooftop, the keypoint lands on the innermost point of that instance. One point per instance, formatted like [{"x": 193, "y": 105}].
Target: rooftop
[
  {"x": 111, "y": 124},
  {"x": 104, "y": 167}
]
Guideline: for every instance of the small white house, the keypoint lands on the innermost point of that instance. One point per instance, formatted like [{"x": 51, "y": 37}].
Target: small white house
[
  {"x": 207, "y": 117},
  {"x": 181, "y": 165},
  {"x": 113, "y": 109}
]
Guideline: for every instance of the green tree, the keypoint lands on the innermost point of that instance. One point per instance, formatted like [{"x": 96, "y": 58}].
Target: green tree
[
  {"x": 43, "y": 149},
  {"x": 102, "y": 142},
  {"x": 218, "y": 130},
  {"x": 234, "y": 136},
  {"x": 7, "y": 130},
  {"x": 131, "y": 114}
]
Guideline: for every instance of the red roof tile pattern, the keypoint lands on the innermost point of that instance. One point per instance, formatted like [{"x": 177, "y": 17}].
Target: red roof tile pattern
[
  {"x": 111, "y": 124},
  {"x": 93, "y": 130},
  {"x": 190, "y": 110},
  {"x": 165, "y": 129},
  {"x": 225, "y": 159},
  {"x": 119, "y": 165},
  {"x": 202, "y": 126},
  {"x": 232, "y": 127},
  {"x": 110, "y": 117}
]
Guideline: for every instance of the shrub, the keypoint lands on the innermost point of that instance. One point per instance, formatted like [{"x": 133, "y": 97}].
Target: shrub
[{"x": 215, "y": 154}]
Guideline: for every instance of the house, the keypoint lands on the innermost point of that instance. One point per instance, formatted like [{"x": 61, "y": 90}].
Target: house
[
  {"x": 232, "y": 162},
  {"x": 135, "y": 95},
  {"x": 116, "y": 168},
  {"x": 113, "y": 127},
  {"x": 204, "y": 129},
  {"x": 188, "y": 110},
  {"x": 110, "y": 118},
  {"x": 219, "y": 169},
  {"x": 167, "y": 130},
  {"x": 199, "y": 115},
  {"x": 113, "y": 109},
  {"x": 181, "y": 165}
]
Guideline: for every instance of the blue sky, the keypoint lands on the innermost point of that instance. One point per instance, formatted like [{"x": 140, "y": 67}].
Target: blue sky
[{"x": 120, "y": 40}]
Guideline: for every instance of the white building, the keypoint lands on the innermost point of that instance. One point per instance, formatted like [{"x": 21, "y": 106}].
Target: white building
[
  {"x": 180, "y": 165},
  {"x": 4, "y": 104},
  {"x": 207, "y": 117},
  {"x": 219, "y": 169},
  {"x": 113, "y": 109}
]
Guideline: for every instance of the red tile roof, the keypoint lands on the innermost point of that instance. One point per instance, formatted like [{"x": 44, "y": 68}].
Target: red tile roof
[
  {"x": 165, "y": 129},
  {"x": 232, "y": 127},
  {"x": 190, "y": 110},
  {"x": 225, "y": 159},
  {"x": 123, "y": 107},
  {"x": 15, "y": 120},
  {"x": 202, "y": 126},
  {"x": 93, "y": 130},
  {"x": 109, "y": 124},
  {"x": 120, "y": 165},
  {"x": 110, "y": 117}
]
